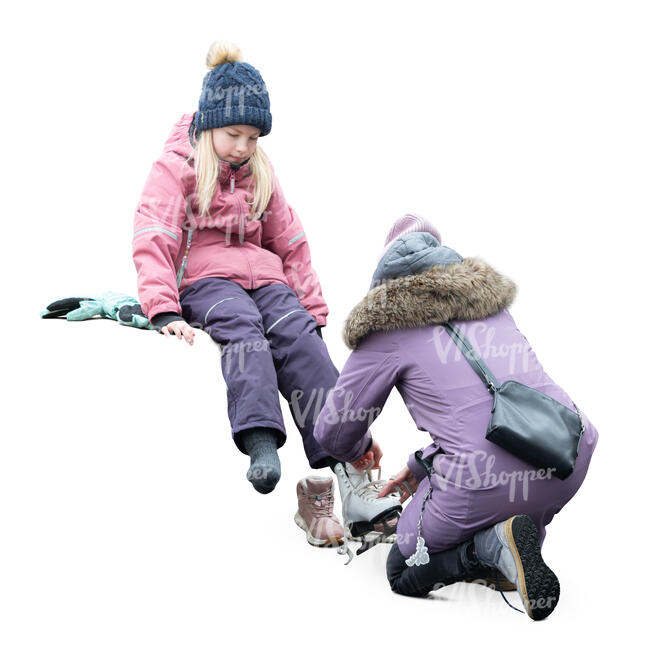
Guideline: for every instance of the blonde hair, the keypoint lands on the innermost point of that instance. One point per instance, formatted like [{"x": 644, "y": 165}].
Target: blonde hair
[{"x": 206, "y": 162}]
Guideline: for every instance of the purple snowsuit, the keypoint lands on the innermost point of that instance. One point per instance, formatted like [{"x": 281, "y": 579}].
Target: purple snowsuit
[
  {"x": 397, "y": 341},
  {"x": 268, "y": 343}
]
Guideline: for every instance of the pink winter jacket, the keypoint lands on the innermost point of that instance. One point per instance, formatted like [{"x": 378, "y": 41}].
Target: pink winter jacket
[{"x": 224, "y": 244}]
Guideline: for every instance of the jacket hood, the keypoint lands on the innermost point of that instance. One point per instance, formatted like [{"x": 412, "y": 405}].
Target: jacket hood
[
  {"x": 414, "y": 293},
  {"x": 410, "y": 254}
]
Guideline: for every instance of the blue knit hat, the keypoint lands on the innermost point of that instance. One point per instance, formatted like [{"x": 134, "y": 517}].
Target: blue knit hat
[{"x": 233, "y": 92}]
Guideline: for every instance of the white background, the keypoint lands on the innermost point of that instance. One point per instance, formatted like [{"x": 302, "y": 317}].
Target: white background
[{"x": 519, "y": 128}]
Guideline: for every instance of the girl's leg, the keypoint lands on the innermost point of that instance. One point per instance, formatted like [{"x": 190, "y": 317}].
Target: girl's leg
[
  {"x": 224, "y": 310},
  {"x": 305, "y": 372}
]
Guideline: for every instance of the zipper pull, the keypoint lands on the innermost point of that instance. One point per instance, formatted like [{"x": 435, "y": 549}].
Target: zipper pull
[{"x": 232, "y": 182}]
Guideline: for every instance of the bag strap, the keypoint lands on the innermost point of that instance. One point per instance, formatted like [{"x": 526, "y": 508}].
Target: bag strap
[
  {"x": 490, "y": 381},
  {"x": 482, "y": 370}
]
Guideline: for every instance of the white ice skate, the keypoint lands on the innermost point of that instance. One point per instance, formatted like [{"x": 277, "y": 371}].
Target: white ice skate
[{"x": 367, "y": 518}]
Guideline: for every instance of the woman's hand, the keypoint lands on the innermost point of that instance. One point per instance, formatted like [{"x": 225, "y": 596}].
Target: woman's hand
[
  {"x": 181, "y": 328},
  {"x": 404, "y": 476},
  {"x": 370, "y": 460}
]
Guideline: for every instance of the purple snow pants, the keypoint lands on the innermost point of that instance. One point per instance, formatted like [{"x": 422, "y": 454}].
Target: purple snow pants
[{"x": 268, "y": 342}]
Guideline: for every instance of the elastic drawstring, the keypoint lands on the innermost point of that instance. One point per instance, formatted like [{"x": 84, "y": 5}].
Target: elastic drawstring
[{"x": 191, "y": 132}]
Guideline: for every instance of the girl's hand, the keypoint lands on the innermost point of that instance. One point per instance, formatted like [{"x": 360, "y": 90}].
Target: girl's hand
[
  {"x": 182, "y": 329},
  {"x": 370, "y": 460},
  {"x": 404, "y": 476}
]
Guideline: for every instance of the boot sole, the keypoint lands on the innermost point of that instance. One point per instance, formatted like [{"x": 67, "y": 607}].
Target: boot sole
[
  {"x": 315, "y": 541},
  {"x": 539, "y": 586}
]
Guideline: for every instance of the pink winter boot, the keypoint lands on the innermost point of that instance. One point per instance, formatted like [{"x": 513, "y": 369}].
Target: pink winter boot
[{"x": 315, "y": 513}]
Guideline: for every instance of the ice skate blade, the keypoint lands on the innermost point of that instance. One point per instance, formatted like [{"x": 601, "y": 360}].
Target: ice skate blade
[
  {"x": 380, "y": 537},
  {"x": 385, "y": 522}
]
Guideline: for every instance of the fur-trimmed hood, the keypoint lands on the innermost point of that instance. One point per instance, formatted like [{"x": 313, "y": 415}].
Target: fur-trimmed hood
[{"x": 466, "y": 290}]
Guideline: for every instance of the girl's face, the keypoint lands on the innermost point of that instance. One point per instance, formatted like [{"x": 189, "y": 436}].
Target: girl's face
[{"x": 235, "y": 143}]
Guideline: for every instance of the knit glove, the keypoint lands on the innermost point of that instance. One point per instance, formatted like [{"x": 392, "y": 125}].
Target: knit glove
[{"x": 117, "y": 306}]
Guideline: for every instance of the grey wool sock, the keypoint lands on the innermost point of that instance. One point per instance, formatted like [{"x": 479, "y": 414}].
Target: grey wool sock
[{"x": 262, "y": 447}]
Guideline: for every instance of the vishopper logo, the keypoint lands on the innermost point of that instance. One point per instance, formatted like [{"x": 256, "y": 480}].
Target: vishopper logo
[
  {"x": 242, "y": 350},
  {"x": 239, "y": 351},
  {"x": 164, "y": 211},
  {"x": 299, "y": 281},
  {"x": 232, "y": 95},
  {"x": 517, "y": 352},
  {"x": 259, "y": 472},
  {"x": 474, "y": 471},
  {"x": 303, "y": 405},
  {"x": 230, "y": 222},
  {"x": 379, "y": 289},
  {"x": 166, "y": 208}
]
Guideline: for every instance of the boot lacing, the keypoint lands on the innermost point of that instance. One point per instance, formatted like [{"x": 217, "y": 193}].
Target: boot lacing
[{"x": 323, "y": 503}]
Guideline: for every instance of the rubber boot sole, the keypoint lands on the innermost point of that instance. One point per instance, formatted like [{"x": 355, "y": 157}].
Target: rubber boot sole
[
  {"x": 539, "y": 587},
  {"x": 336, "y": 540}
]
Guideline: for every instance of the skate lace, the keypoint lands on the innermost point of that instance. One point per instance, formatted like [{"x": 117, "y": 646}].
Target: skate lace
[{"x": 370, "y": 489}]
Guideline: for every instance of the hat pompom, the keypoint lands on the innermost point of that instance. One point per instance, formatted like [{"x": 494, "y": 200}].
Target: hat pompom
[{"x": 222, "y": 52}]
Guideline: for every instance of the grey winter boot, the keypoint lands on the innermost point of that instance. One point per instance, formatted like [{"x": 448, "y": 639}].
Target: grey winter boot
[
  {"x": 512, "y": 547},
  {"x": 485, "y": 576}
]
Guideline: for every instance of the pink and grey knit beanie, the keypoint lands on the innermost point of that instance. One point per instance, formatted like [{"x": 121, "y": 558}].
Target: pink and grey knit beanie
[{"x": 407, "y": 224}]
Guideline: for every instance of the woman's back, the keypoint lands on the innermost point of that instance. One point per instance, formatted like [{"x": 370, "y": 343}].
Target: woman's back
[
  {"x": 443, "y": 393},
  {"x": 399, "y": 340}
]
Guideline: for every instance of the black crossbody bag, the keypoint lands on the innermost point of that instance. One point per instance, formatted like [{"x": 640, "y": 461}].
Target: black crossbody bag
[{"x": 525, "y": 421}]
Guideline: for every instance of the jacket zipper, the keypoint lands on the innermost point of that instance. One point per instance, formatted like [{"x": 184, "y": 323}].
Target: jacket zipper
[
  {"x": 232, "y": 190},
  {"x": 250, "y": 268}
]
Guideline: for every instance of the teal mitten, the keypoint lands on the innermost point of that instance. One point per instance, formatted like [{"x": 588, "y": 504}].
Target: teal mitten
[{"x": 118, "y": 306}]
